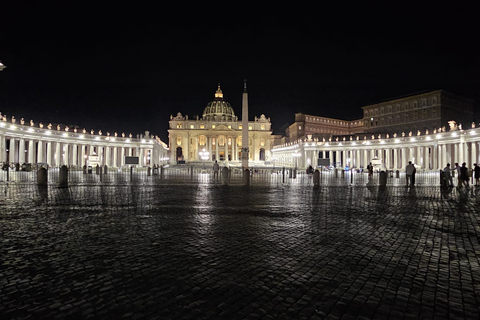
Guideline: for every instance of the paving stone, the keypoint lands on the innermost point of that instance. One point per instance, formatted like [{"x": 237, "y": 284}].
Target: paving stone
[{"x": 210, "y": 252}]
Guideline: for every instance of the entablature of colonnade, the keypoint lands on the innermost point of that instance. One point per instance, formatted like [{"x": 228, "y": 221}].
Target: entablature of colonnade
[{"x": 74, "y": 136}]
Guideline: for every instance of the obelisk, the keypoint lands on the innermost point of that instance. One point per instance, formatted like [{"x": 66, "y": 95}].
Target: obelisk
[{"x": 245, "y": 126}]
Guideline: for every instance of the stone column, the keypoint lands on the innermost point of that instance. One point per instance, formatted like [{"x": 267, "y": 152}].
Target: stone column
[
  {"x": 217, "y": 151},
  {"x": 58, "y": 153},
  {"x": 49, "y": 151},
  {"x": 404, "y": 158},
  {"x": 114, "y": 156},
  {"x": 67, "y": 154},
  {"x": 75, "y": 154},
  {"x": 40, "y": 153},
  {"x": 12, "y": 151},
  {"x": 3, "y": 147},
  {"x": 21, "y": 151},
  {"x": 474, "y": 151},
  {"x": 141, "y": 157},
  {"x": 108, "y": 156},
  {"x": 122, "y": 156},
  {"x": 209, "y": 142},
  {"x": 31, "y": 151},
  {"x": 226, "y": 148},
  {"x": 426, "y": 157},
  {"x": 82, "y": 156}
]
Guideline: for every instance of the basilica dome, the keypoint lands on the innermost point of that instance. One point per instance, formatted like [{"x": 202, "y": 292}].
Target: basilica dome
[{"x": 218, "y": 109}]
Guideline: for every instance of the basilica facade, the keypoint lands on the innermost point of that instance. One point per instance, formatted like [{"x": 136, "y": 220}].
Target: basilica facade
[{"x": 217, "y": 136}]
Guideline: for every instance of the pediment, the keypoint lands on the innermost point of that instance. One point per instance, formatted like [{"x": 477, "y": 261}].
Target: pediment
[{"x": 222, "y": 127}]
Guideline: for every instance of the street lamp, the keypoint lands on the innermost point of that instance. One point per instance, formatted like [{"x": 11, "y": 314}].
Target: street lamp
[
  {"x": 204, "y": 155},
  {"x": 2, "y": 66}
]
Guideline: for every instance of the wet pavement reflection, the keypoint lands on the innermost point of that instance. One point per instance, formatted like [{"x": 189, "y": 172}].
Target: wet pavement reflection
[{"x": 234, "y": 252}]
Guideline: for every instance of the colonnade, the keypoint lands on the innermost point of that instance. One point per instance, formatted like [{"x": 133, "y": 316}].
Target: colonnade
[
  {"x": 27, "y": 144},
  {"x": 428, "y": 152}
]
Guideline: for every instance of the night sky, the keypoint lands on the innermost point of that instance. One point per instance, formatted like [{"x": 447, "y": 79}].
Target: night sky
[{"x": 129, "y": 67}]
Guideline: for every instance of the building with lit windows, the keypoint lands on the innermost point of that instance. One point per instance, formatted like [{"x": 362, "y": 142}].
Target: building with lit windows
[
  {"x": 426, "y": 111},
  {"x": 217, "y": 136}
]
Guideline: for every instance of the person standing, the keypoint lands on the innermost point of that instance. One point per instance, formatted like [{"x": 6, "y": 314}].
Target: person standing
[
  {"x": 457, "y": 169},
  {"x": 464, "y": 175},
  {"x": 476, "y": 173},
  {"x": 409, "y": 170},
  {"x": 216, "y": 168},
  {"x": 448, "y": 175}
]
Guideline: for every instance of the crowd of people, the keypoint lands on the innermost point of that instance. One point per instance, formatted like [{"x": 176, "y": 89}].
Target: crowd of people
[{"x": 463, "y": 175}]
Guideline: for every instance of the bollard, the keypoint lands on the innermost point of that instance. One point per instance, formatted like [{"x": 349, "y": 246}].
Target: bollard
[
  {"x": 225, "y": 176},
  {"x": 283, "y": 175},
  {"x": 343, "y": 174},
  {"x": 149, "y": 171},
  {"x": 397, "y": 174},
  {"x": 351, "y": 176},
  {"x": 336, "y": 173},
  {"x": 316, "y": 179},
  {"x": 294, "y": 174},
  {"x": 161, "y": 172},
  {"x": 105, "y": 169},
  {"x": 191, "y": 173},
  {"x": 246, "y": 177},
  {"x": 131, "y": 173},
  {"x": 382, "y": 179},
  {"x": 290, "y": 173},
  {"x": 63, "y": 180},
  {"x": 42, "y": 177}
]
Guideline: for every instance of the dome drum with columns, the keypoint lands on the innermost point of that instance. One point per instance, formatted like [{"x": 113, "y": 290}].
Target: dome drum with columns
[{"x": 217, "y": 135}]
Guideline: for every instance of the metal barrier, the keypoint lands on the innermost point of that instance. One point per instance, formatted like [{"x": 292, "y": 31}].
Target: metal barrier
[{"x": 199, "y": 175}]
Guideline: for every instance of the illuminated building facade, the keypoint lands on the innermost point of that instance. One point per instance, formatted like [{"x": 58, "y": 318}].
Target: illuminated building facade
[
  {"x": 27, "y": 142},
  {"x": 217, "y": 135}
]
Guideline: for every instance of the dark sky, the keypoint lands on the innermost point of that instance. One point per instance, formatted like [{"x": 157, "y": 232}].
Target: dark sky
[{"x": 129, "y": 67}]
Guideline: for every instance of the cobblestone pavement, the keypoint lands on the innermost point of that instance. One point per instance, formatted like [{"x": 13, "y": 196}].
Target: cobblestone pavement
[{"x": 218, "y": 252}]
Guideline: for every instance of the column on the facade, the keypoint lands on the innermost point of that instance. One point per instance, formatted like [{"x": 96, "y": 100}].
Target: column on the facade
[
  {"x": 226, "y": 148},
  {"x": 426, "y": 157},
  {"x": 365, "y": 158},
  {"x": 141, "y": 157},
  {"x": 455, "y": 153},
  {"x": 40, "y": 151},
  {"x": 3, "y": 149},
  {"x": 217, "y": 153},
  {"x": 395, "y": 159},
  {"x": 74, "y": 156},
  {"x": 404, "y": 157},
  {"x": 337, "y": 159},
  {"x": 108, "y": 157},
  {"x": 31, "y": 151},
  {"x": 49, "y": 153},
  {"x": 444, "y": 157},
  {"x": 474, "y": 151},
  {"x": 11, "y": 150},
  {"x": 209, "y": 143},
  {"x": 121, "y": 161},
  {"x": 83, "y": 154},
  {"x": 58, "y": 153},
  {"x": 434, "y": 157},
  {"x": 67, "y": 154},
  {"x": 21, "y": 150},
  {"x": 114, "y": 156}
]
